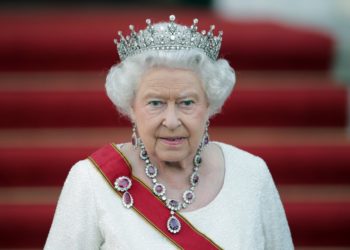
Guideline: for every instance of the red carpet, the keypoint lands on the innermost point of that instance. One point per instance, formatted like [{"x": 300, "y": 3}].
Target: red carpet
[{"x": 52, "y": 75}]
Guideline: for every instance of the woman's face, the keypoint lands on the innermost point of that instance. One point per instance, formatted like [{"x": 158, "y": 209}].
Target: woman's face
[{"x": 170, "y": 111}]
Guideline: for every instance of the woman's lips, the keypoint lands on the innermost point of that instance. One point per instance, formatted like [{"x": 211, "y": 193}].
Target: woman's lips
[{"x": 172, "y": 141}]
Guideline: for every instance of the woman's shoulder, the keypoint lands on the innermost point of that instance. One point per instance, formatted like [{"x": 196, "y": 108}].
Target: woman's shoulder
[
  {"x": 243, "y": 161},
  {"x": 81, "y": 167},
  {"x": 87, "y": 166},
  {"x": 86, "y": 170},
  {"x": 237, "y": 153},
  {"x": 82, "y": 173}
]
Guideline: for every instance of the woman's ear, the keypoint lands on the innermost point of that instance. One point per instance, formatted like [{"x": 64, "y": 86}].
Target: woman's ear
[{"x": 132, "y": 114}]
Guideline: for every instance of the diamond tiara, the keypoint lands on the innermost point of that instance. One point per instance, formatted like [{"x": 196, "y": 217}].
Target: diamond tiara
[{"x": 173, "y": 37}]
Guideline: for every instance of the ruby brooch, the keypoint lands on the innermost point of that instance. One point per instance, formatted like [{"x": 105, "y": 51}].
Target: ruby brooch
[{"x": 123, "y": 184}]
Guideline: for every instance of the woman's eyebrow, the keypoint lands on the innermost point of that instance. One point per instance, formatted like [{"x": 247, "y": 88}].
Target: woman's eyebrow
[{"x": 152, "y": 94}]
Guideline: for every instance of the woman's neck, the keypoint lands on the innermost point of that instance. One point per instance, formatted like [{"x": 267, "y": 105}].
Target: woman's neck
[{"x": 175, "y": 175}]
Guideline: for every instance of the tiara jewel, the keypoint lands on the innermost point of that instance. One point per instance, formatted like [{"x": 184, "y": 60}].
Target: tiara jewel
[{"x": 173, "y": 37}]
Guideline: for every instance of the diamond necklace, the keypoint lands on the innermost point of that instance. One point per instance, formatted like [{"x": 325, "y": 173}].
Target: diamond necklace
[{"x": 173, "y": 223}]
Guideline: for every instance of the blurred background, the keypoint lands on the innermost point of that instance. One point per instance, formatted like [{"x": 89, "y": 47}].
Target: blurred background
[{"x": 290, "y": 104}]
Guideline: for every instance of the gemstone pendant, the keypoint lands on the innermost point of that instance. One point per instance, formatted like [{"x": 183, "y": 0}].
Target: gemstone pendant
[
  {"x": 134, "y": 140},
  {"x": 188, "y": 196},
  {"x": 194, "y": 179},
  {"x": 151, "y": 171},
  {"x": 173, "y": 225},
  {"x": 143, "y": 155},
  {"x": 197, "y": 160},
  {"x": 127, "y": 199},
  {"x": 122, "y": 183},
  {"x": 159, "y": 189},
  {"x": 173, "y": 205}
]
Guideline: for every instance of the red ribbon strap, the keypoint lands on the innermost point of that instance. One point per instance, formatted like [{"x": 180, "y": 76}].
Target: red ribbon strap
[{"x": 112, "y": 164}]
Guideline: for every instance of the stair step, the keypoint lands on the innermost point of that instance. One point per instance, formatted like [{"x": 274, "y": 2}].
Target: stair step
[
  {"x": 314, "y": 193},
  {"x": 75, "y": 40},
  {"x": 29, "y": 195},
  {"x": 322, "y": 248},
  {"x": 319, "y": 223},
  {"x": 31, "y": 222},
  {"x": 321, "y": 106}
]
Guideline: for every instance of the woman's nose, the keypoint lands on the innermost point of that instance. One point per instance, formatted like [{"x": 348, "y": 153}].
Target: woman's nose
[{"x": 171, "y": 119}]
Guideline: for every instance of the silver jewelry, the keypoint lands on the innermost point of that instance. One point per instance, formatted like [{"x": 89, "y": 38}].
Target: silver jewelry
[
  {"x": 134, "y": 139},
  {"x": 159, "y": 189},
  {"x": 205, "y": 139},
  {"x": 174, "y": 37}
]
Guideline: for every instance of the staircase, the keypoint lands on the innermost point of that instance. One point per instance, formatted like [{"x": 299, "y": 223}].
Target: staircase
[{"x": 285, "y": 108}]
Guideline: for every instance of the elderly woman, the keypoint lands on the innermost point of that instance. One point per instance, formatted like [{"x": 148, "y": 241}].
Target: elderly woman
[{"x": 170, "y": 187}]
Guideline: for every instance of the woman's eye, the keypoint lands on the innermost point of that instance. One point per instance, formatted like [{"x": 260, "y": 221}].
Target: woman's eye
[
  {"x": 155, "y": 103},
  {"x": 187, "y": 103}
]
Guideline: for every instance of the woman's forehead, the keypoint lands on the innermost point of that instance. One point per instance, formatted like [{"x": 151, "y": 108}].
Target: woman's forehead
[
  {"x": 164, "y": 92},
  {"x": 170, "y": 82},
  {"x": 164, "y": 79}
]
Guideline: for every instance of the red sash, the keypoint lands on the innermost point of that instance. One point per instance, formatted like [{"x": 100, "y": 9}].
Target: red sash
[{"x": 112, "y": 164}]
